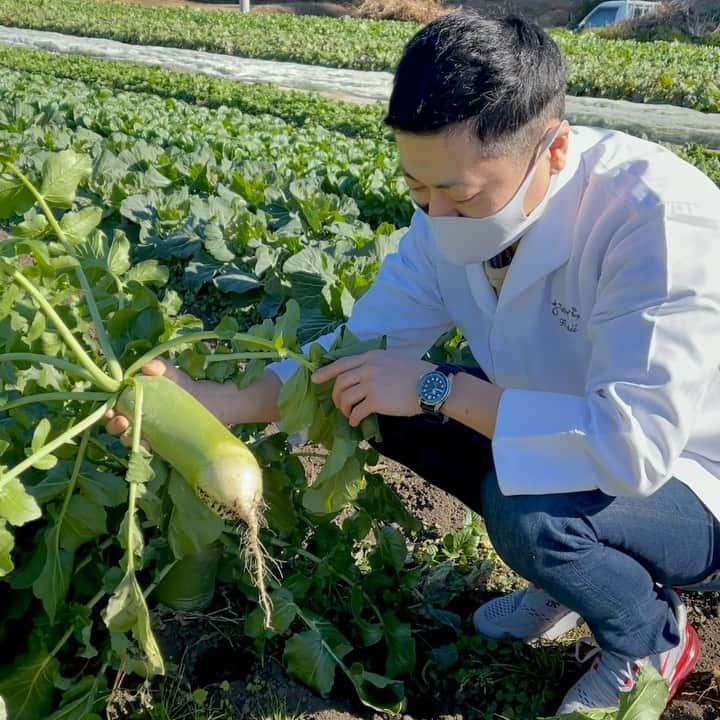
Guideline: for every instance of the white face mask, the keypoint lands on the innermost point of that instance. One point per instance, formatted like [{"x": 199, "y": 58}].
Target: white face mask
[{"x": 464, "y": 241}]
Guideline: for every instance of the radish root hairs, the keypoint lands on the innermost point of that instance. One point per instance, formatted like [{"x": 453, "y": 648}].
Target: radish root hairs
[{"x": 256, "y": 556}]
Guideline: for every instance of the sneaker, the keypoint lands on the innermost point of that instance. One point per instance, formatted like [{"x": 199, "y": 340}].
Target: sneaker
[
  {"x": 529, "y": 614},
  {"x": 612, "y": 674}
]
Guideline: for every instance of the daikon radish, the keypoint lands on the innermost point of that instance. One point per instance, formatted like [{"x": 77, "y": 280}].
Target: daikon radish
[{"x": 218, "y": 466}]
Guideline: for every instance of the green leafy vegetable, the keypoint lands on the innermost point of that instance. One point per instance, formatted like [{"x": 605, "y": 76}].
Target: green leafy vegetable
[{"x": 646, "y": 701}]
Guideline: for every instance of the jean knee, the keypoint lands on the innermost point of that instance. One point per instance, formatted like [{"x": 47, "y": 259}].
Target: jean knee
[
  {"x": 511, "y": 531},
  {"x": 526, "y": 534}
]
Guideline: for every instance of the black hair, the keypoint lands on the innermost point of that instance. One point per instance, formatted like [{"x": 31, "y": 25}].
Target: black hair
[{"x": 497, "y": 75}]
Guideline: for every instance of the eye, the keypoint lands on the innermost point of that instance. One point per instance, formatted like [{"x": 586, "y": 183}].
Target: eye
[{"x": 467, "y": 200}]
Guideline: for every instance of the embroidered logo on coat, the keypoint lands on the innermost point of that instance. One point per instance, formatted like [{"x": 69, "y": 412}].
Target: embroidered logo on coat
[{"x": 568, "y": 316}]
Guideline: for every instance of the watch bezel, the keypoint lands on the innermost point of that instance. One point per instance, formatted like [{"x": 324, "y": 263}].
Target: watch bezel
[{"x": 434, "y": 407}]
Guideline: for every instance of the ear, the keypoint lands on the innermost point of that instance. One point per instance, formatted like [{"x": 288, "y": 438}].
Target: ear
[{"x": 559, "y": 149}]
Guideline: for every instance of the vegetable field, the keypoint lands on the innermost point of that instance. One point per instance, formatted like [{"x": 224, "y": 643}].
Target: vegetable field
[
  {"x": 228, "y": 198},
  {"x": 136, "y": 225},
  {"x": 676, "y": 73},
  {"x": 147, "y": 213},
  {"x": 91, "y": 535},
  {"x": 297, "y": 108}
]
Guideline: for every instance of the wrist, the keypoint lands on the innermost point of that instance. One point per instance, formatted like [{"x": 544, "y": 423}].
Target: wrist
[
  {"x": 233, "y": 405},
  {"x": 473, "y": 402},
  {"x": 218, "y": 398}
]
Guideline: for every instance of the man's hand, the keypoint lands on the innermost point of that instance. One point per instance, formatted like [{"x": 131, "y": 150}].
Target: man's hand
[
  {"x": 119, "y": 424},
  {"x": 380, "y": 381}
]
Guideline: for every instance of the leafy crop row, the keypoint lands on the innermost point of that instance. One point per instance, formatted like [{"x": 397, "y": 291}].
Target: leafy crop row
[
  {"x": 343, "y": 42},
  {"x": 675, "y": 73},
  {"x": 296, "y": 108},
  {"x": 704, "y": 159},
  {"x": 239, "y": 204},
  {"x": 293, "y": 106}
]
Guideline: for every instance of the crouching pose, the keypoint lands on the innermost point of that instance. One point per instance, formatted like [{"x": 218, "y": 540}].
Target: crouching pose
[{"x": 581, "y": 265}]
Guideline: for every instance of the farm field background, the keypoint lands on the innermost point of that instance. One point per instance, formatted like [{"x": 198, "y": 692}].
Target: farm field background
[
  {"x": 202, "y": 203},
  {"x": 677, "y": 73}
]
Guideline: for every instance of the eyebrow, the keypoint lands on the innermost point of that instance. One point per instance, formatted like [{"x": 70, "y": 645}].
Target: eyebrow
[{"x": 442, "y": 186}]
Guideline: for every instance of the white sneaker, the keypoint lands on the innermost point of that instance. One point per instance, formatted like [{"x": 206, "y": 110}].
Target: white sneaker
[
  {"x": 612, "y": 674},
  {"x": 529, "y": 614}
]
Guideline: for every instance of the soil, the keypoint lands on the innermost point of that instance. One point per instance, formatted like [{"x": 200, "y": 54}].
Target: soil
[{"x": 212, "y": 648}]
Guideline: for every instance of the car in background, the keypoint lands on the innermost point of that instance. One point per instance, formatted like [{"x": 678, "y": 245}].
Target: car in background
[{"x": 607, "y": 13}]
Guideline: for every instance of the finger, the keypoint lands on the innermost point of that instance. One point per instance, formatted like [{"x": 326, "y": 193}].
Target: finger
[
  {"x": 360, "y": 412},
  {"x": 110, "y": 414},
  {"x": 351, "y": 397},
  {"x": 344, "y": 382},
  {"x": 126, "y": 441},
  {"x": 157, "y": 366},
  {"x": 336, "y": 368},
  {"x": 118, "y": 425}
]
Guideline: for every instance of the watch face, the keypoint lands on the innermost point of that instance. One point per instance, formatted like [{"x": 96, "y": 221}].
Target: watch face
[{"x": 433, "y": 387}]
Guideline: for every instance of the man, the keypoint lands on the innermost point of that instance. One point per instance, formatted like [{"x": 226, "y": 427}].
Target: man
[{"x": 581, "y": 266}]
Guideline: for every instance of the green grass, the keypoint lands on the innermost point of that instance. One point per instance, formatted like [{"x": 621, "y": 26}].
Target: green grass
[
  {"x": 174, "y": 701},
  {"x": 275, "y": 707}
]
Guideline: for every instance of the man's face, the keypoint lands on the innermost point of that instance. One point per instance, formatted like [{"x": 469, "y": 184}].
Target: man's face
[{"x": 448, "y": 175}]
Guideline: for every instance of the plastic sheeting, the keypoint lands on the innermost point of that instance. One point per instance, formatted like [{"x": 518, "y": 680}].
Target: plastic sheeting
[{"x": 662, "y": 123}]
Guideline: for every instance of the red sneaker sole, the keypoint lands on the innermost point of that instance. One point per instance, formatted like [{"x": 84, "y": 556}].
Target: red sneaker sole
[{"x": 687, "y": 663}]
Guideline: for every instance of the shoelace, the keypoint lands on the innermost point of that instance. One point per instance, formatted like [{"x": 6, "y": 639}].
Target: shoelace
[{"x": 615, "y": 670}]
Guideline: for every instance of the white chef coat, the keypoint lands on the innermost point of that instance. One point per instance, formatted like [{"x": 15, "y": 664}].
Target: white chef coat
[{"x": 605, "y": 335}]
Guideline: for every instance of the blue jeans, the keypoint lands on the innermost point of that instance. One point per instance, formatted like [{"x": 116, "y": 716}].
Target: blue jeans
[{"x": 605, "y": 557}]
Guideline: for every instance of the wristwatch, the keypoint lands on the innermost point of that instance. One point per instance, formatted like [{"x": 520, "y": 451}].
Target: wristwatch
[{"x": 434, "y": 389}]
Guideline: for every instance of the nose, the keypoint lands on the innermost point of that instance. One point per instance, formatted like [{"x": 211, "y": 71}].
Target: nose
[{"x": 441, "y": 206}]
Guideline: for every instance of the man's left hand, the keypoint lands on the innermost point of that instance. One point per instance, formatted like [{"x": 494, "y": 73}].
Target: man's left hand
[{"x": 380, "y": 381}]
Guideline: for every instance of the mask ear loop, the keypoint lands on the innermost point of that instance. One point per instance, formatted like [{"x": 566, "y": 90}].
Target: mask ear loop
[
  {"x": 544, "y": 144},
  {"x": 503, "y": 259},
  {"x": 553, "y": 137}
]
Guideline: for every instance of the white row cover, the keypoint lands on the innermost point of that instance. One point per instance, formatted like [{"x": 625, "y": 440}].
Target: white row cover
[{"x": 662, "y": 123}]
